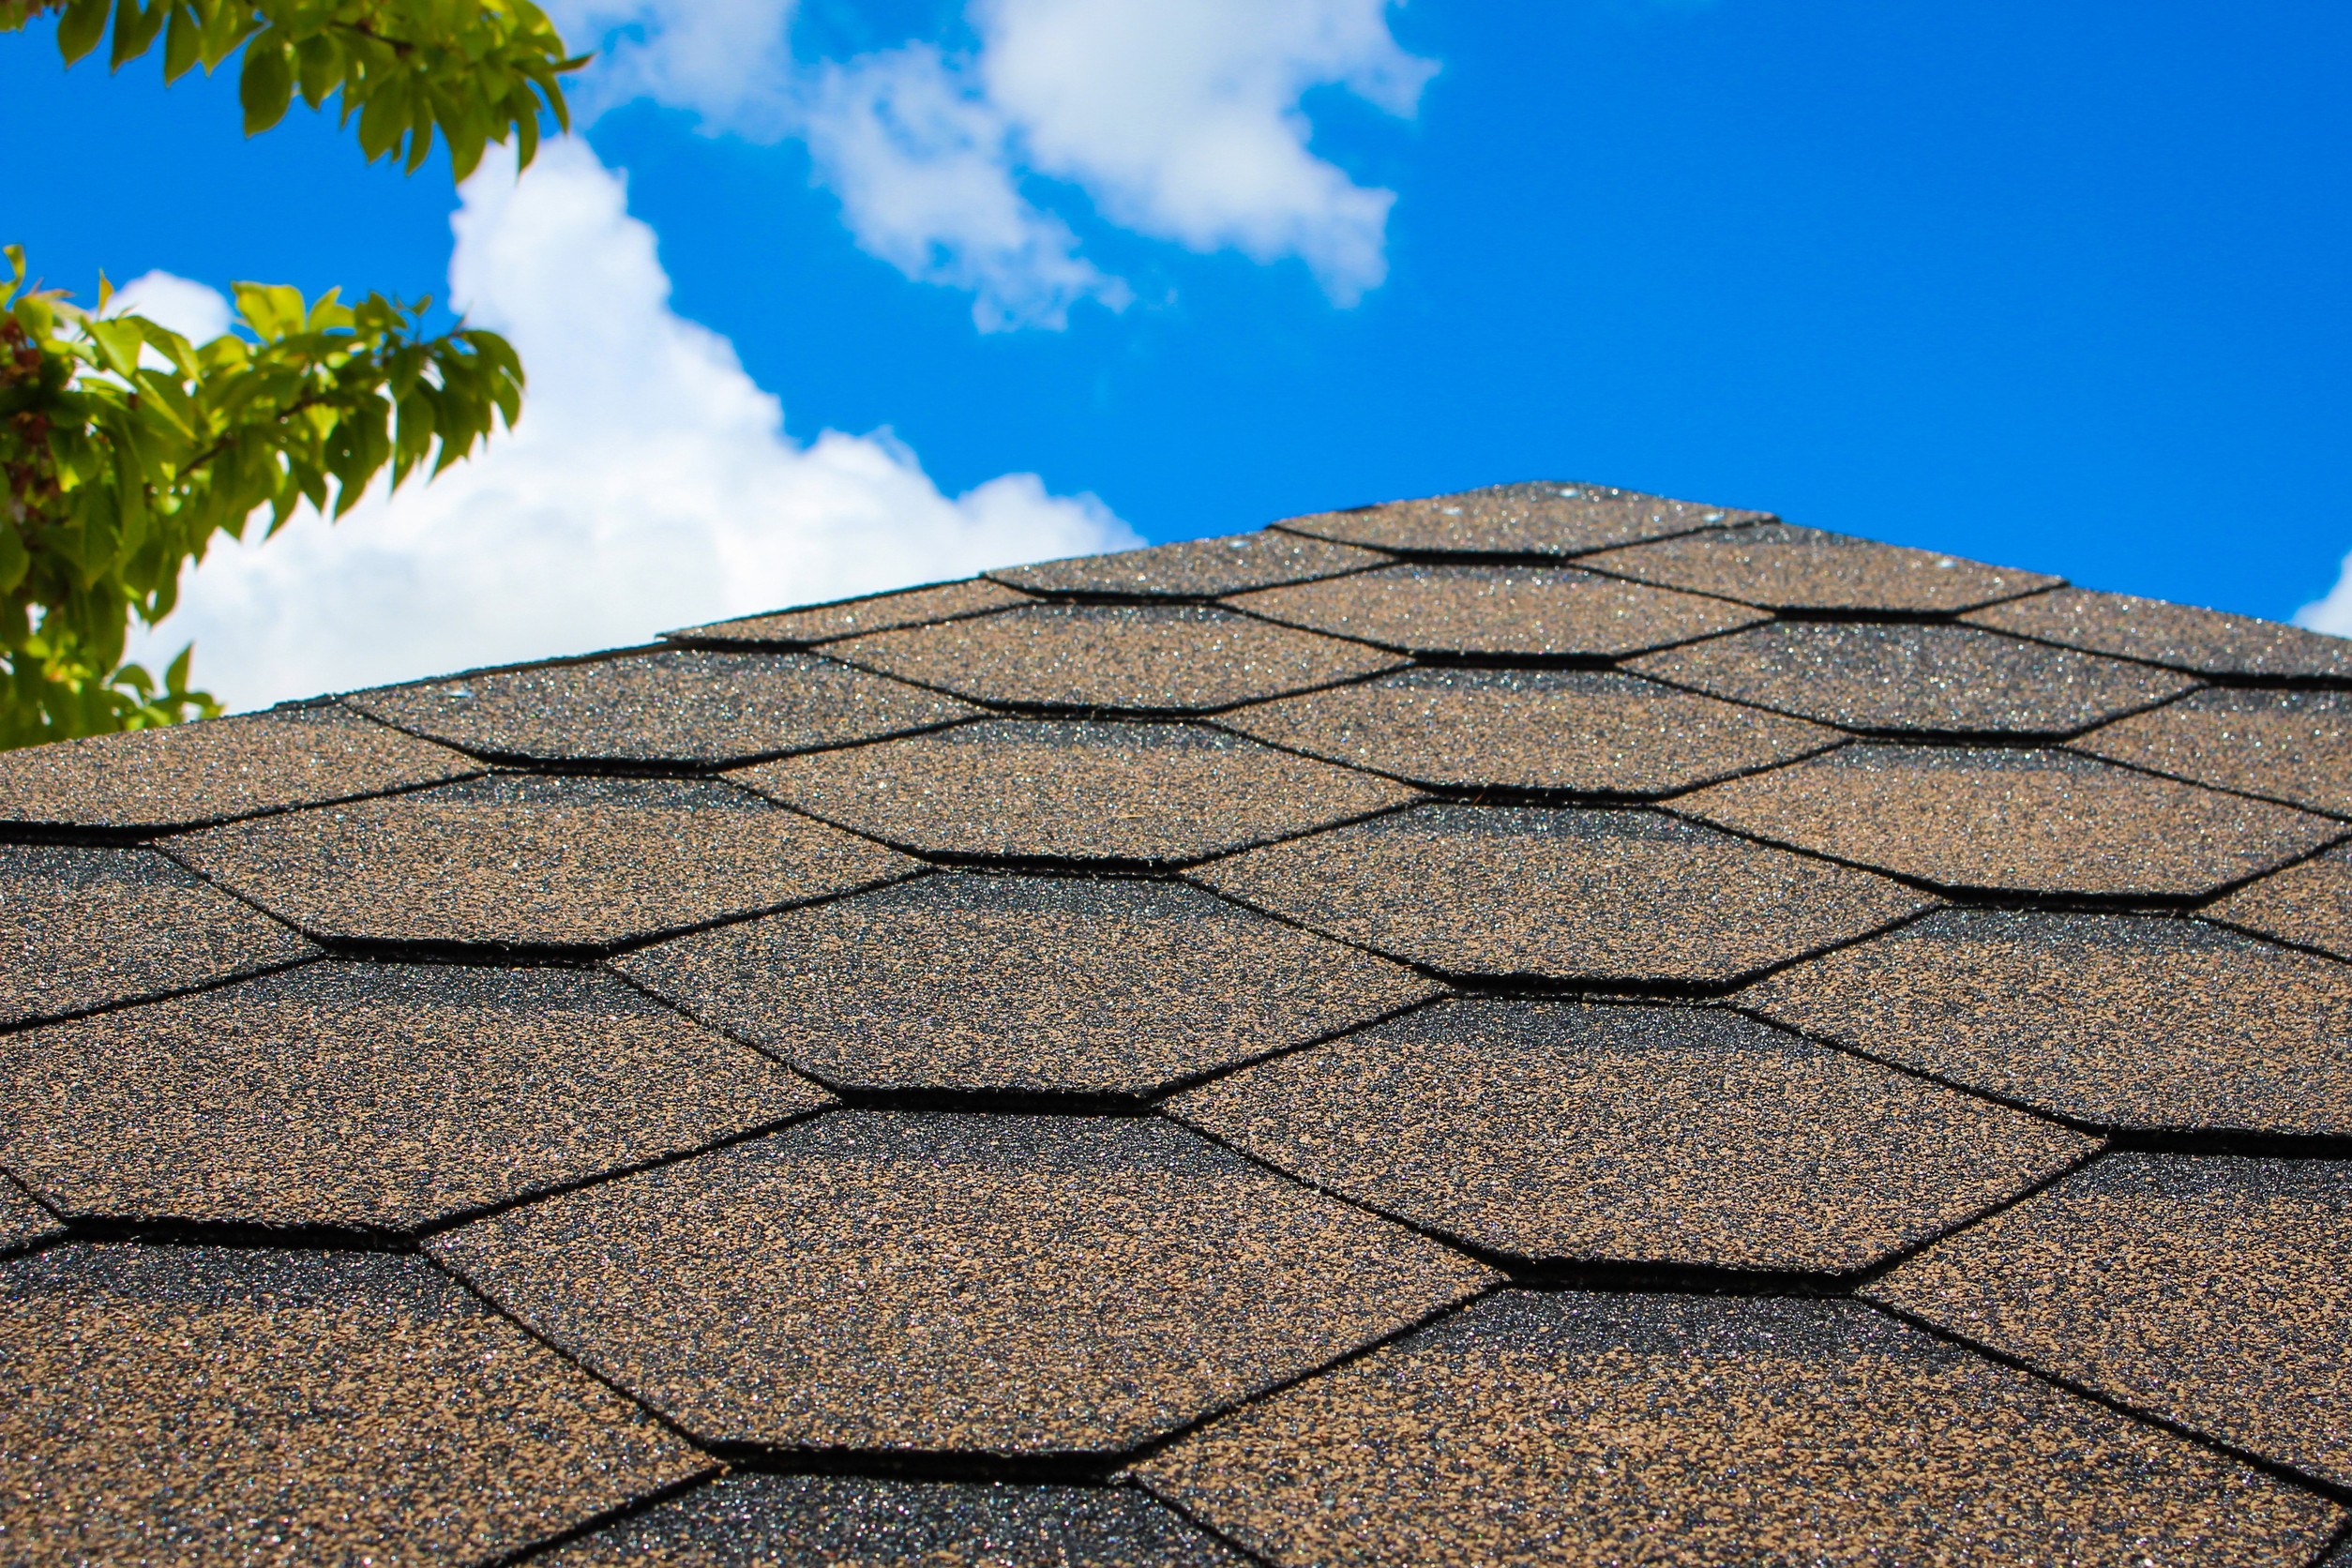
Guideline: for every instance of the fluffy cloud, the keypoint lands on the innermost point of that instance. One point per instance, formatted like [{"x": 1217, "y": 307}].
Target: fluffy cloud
[
  {"x": 1180, "y": 119},
  {"x": 2332, "y": 614},
  {"x": 650, "y": 484}
]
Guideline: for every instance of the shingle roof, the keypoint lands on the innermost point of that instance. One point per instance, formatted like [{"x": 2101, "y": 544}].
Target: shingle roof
[{"x": 1540, "y": 1026}]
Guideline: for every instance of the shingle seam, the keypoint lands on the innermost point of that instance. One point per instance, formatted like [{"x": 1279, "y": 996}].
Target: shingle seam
[
  {"x": 96, "y": 837},
  {"x": 1506, "y": 557},
  {"x": 2147, "y": 771},
  {"x": 148, "y": 999},
  {"x": 1915, "y": 736},
  {"x": 595, "y": 1524},
  {"x": 2273, "y": 1468}
]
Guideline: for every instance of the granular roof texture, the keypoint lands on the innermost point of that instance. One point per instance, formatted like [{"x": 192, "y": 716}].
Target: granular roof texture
[
  {"x": 1601, "y": 1429},
  {"x": 2289, "y": 746},
  {"x": 1007, "y": 1285},
  {"x": 1197, "y": 568},
  {"x": 1561, "y": 894},
  {"x": 1547, "y": 1025},
  {"x": 684, "y": 707},
  {"x": 151, "y": 779},
  {"x": 817, "y": 1521},
  {"x": 1780, "y": 568},
  {"x": 1022, "y": 984},
  {"x": 2212, "y": 1291},
  {"x": 95, "y": 927},
  {"x": 2177, "y": 636},
  {"x": 2111, "y": 1021},
  {"x": 523, "y": 861},
  {"x": 203, "y": 1405},
  {"x": 827, "y": 623},
  {"x": 370, "y": 1098},
  {"x": 1016, "y": 790},
  {"x": 1539, "y": 518},
  {"x": 1915, "y": 679},
  {"x": 1526, "y": 612},
  {"x": 1556, "y": 1130},
  {"x": 2013, "y": 820},
  {"x": 1148, "y": 660},
  {"x": 1566, "y": 731}
]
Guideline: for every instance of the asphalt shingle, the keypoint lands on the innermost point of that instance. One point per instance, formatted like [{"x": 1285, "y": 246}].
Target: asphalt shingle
[
  {"x": 1008, "y": 1286},
  {"x": 2177, "y": 636},
  {"x": 2290, "y": 745},
  {"x": 370, "y": 1098},
  {"x": 1777, "y": 566},
  {"x": 1030, "y": 789},
  {"x": 2310, "y": 904},
  {"x": 1594, "y": 896},
  {"x": 1193, "y": 568},
  {"x": 1540, "y": 518},
  {"x": 1022, "y": 985},
  {"x": 824, "y": 622}
]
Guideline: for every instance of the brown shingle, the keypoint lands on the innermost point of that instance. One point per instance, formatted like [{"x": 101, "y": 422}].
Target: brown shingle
[
  {"x": 821, "y": 623},
  {"x": 684, "y": 707},
  {"x": 1194, "y": 569},
  {"x": 1561, "y": 894},
  {"x": 189, "y": 774},
  {"x": 2214, "y": 1292},
  {"x": 2012, "y": 820},
  {"x": 1151, "y": 659},
  {"x": 22, "y": 1222},
  {"x": 198, "y": 1406},
  {"x": 518, "y": 860},
  {"x": 2114, "y": 1021},
  {"x": 1780, "y": 568},
  {"x": 1886, "y": 679},
  {"x": 1609, "y": 1430},
  {"x": 996, "y": 1285},
  {"x": 1537, "y": 517},
  {"x": 2310, "y": 904},
  {"x": 1581, "y": 732},
  {"x": 95, "y": 927},
  {"x": 1558, "y": 1131},
  {"x": 1157, "y": 794},
  {"x": 369, "y": 1097},
  {"x": 1021, "y": 985},
  {"x": 2203, "y": 641},
  {"x": 1511, "y": 611},
  {"x": 2289, "y": 746},
  {"x": 814, "y": 1521}
]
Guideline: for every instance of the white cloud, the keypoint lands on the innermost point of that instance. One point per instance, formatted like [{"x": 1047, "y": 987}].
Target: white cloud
[
  {"x": 2332, "y": 614},
  {"x": 197, "y": 313},
  {"x": 1181, "y": 119},
  {"x": 650, "y": 484}
]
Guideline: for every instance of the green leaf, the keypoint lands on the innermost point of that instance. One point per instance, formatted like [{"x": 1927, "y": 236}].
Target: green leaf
[
  {"x": 80, "y": 29},
  {"x": 183, "y": 43},
  {"x": 135, "y": 27},
  {"x": 14, "y": 558},
  {"x": 265, "y": 88},
  {"x": 321, "y": 67}
]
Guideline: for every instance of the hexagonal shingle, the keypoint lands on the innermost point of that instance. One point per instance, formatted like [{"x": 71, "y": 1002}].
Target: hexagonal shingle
[
  {"x": 1516, "y": 611},
  {"x": 1541, "y": 1429},
  {"x": 822, "y": 623},
  {"x": 1543, "y": 517},
  {"x": 517, "y": 862},
  {"x": 99, "y": 926},
  {"x": 1139, "y": 658},
  {"x": 2179, "y": 636},
  {"x": 1889, "y": 679},
  {"x": 2310, "y": 904},
  {"x": 2012, "y": 820},
  {"x": 1193, "y": 568},
  {"x": 2117, "y": 1021},
  {"x": 679, "y": 706},
  {"x": 802, "y": 1521},
  {"x": 1555, "y": 1131},
  {"x": 1777, "y": 566},
  {"x": 2289, "y": 746},
  {"x": 1563, "y": 895},
  {"x": 1021, "y": 985},
  {"x": 2214, "y": 1292},
  {"x": 191, "y": 1406},
  {"x": 1583, "y": 732},
  {"x": 183, "y": 775},
  {"x": 1155, "y": 795},
  {"x": 369, "y": 1098},
  {"x": 993, "y": 1284}
]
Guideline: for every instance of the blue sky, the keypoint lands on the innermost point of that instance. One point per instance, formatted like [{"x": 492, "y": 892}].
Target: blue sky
[{"x": 2061, "y": 287}]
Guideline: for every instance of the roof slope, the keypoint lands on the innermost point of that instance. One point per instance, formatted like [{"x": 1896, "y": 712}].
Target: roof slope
[{"x": 1540, "y": 1026}]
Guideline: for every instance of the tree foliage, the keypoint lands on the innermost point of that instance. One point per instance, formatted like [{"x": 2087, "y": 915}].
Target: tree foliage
[{"x": 127, "y": 449}]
